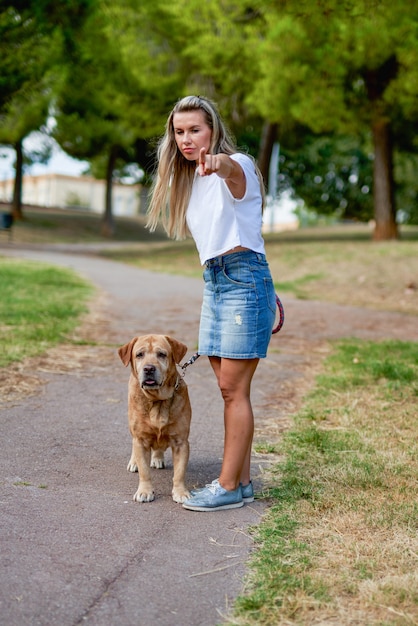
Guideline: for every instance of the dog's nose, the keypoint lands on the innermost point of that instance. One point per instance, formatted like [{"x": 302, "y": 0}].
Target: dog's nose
[{"x": 149, "y": 369}]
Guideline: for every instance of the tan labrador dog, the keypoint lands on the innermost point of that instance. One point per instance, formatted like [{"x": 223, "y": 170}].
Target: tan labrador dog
[{"x": 159, "y": 411}]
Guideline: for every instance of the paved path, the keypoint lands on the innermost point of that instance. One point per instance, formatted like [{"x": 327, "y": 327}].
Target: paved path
[{"x": 75, "y": 548}]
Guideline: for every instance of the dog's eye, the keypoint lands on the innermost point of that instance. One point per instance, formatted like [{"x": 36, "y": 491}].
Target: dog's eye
[
  {"x": 139, "y": 355},
  {"x": 161, "y": 355}
]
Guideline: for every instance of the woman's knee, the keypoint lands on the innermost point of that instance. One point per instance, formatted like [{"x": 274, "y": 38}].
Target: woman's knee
[
  {"x": 233, "y": 390},
  {"x": 235, "y": 378}
]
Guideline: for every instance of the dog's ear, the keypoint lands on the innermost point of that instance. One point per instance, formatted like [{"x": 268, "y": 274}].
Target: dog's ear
[
  {"x": 179, "y": 349},
  {"x": 125, "y": 352}
]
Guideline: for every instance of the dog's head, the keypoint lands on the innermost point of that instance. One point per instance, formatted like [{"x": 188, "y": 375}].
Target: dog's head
[{"x": 153, "y": 360}]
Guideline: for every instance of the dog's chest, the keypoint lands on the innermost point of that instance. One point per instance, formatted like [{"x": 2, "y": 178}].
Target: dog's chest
[
  {"x": 156, "y": 420},
  {"x": 159, "y": 414}
]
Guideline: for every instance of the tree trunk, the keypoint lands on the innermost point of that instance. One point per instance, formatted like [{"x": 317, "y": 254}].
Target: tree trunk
[
  {"x": 108, "y": 223},
  {"x": 268, "y": 138},
  {"x": 383, "y": 193},
  {"x": 17, "y": 190}
]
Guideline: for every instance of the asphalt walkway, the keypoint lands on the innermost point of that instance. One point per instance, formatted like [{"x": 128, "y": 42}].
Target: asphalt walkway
[{"x": 75, "y": 548}]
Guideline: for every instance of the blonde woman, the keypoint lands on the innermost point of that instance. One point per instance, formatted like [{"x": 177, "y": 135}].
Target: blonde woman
[{"x": 205, "y": 187}]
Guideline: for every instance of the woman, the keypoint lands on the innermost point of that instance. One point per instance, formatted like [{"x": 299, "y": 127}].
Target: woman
[{"x": 206, "y": 188}]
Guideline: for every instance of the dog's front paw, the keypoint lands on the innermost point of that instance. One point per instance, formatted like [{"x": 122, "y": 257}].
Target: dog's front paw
[
  {"x": 144, "y": 495},
  {"x": 157, "y": 459},
  {"x": 181, "y": 495}
]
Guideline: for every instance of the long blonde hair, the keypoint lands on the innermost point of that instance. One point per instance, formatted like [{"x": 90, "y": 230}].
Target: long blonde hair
[{"x": 172, "y": 188}]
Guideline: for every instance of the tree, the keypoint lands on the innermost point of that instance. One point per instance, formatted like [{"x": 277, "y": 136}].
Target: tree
[
  {"x": 89, "y": 110},
  {"x": 33, "y": 38},
  {"x": 343, "y": 67},
  {"x": 121, "y": 78},
  {"x": 24, "y": 85}
]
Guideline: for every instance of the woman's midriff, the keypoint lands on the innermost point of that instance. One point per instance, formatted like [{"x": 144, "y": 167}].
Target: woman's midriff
[{"x": 236, "y": 249}]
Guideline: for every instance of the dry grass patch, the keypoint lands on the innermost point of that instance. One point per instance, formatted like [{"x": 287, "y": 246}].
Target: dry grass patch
[
  {"x": 340, "y": 543},
  {"x": 42, "y": 225},
  {"x": 354, "y": 270},
  {"x": 361, "y": 529}
]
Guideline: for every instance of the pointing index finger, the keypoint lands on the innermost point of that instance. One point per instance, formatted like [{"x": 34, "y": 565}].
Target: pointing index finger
[{"x": 202, "y": 155}]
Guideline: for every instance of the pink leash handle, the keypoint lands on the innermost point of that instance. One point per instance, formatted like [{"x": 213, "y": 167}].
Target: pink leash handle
[{"x": 281, "y": 316}]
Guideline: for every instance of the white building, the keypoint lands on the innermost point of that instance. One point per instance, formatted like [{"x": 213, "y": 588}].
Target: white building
[{"x": 58, "y": 190}]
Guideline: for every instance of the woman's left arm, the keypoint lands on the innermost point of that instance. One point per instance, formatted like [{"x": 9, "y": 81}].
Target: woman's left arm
[{"x": 226, "y": 168}]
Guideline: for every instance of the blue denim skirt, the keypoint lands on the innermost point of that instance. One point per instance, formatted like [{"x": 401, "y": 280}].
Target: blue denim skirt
[{"x": 239, "y": 306}]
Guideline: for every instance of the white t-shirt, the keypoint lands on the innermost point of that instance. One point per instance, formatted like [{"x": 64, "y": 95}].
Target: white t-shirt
[{"x": 219, "y": 222}]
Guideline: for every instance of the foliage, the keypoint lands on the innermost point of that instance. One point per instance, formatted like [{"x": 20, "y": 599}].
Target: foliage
[
  {"x": 219, "y": 56},
  {"x": 34, "y": 38},
  {"x": 88, "y": 106},
  {"x": 331, "y": 174},
  {"x": 24, "y": 78},
  {"x": 324, "y": 57},
  {"x": 117, "y": 93}
]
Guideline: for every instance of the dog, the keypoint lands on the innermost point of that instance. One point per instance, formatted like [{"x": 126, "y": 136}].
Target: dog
[{"x": 159, "y": 411}]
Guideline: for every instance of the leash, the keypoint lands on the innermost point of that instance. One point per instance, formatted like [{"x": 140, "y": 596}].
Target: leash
[
  {"x": 190, "y": 362},
  {"x": 273, "y": 332},
  {"x": 281, "y": 316}
]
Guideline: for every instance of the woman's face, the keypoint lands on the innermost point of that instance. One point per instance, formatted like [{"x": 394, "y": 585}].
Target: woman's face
[{"x": 192, "y": 133}]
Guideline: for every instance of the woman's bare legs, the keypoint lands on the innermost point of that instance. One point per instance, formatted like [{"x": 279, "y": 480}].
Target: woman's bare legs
[{"x": 234, "y": 378}]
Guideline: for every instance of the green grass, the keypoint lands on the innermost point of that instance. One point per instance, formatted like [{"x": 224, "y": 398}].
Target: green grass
[
  {"x": 344, "y": 499},
  {"x": 296, "y": 286},
  {"x": 39, "y": 307}
]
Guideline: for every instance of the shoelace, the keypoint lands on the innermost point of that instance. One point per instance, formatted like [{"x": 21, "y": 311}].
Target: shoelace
[{"x": 214, "y": 486}]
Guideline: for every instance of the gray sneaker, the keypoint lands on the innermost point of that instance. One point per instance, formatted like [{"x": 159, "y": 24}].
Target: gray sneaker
[
  {"x": 213, "y": 497},
  {"x": 194, "y": 492},
  {"x": 247, "y": 490}
]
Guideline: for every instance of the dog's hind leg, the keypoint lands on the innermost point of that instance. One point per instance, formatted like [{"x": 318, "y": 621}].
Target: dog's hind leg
[
  {"x": 157, "y": 459},
  {"x": 180, "y": 492}
]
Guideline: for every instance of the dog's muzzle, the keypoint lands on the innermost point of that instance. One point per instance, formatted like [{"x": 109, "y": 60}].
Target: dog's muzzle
[{"x": 149, "y": 377}]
